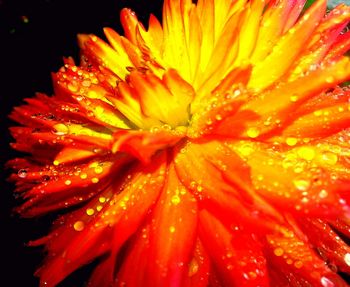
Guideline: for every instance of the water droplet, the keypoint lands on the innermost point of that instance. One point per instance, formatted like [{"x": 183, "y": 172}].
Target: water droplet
[
  {"x": 175, "y": 200},
  {"x": 194, "y": 267},
  {"x": 90, "y": 211},
  {"x": 253, "y": 132},
  {"x": 246, "y": 150},
  {"x": 291, "y": 141},
  {"x": 83, "y": 176},
  {"x": 94, "y": 180},
  {"x": 229, "y": 267},
  {"x": 172, "y": 229},
  {"x": 79, "y": 225},
  {"x": 61, "y": 129},
  {"x": 306, "y": 153},
  {"x": 229, "y": 254},
  {"x": 347, "y": 259},
  {"x": 73, "y": 86},
  {"x": 293, "y": 98},
  {"x": 56, "y": 162},
  {"x": 98, "y": 169},
  {"x": 323, "y": 193},
  {"x": 278, "y": 251},
  {"x": 326, "y": 282},
  {"x": 86, "y": 83},
  {"x": 298, "y": 264},
  {"x": 68, "y": 182},
  {"x": 301, "y": 184},
  {"x": 218, "y": 117},
  {"x": 330, "y": 79},
  {"x": 330, "y": 158},
  {"x": 102, "y": 199},
  {"x": 22, "y": 173}
]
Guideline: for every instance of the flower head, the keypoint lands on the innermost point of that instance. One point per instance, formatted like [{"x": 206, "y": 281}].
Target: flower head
[{"x": 209, "y": 150}]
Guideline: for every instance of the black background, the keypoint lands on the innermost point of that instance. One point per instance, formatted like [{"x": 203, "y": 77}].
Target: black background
[{"x": 34, "y": 36}]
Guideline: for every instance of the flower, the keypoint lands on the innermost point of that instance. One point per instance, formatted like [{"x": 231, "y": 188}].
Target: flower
[{"x": 210, "y": 150}]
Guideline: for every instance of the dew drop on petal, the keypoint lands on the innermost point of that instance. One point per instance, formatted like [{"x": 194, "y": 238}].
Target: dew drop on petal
[
  {"x": 94, "y": 180},
  {"x": 301, "y": 184},
  {"x": 326, "y": 282},
  {"x": 323, "y": 194},
  {"x": 306, "y": 153},
  {"x": 194, "y": 267},
  {"x": 253, "y": 132},
  {"x": 83, "y": 176},
  {"x": 22, "y": 173},
  {"x": 79, "y": 225},
  {"x": 98, "y": 169},
  {"x": 172, "y": 229},
  {"x": 330, "y": 158},
  {"x": 291, "y": 141},
  {"x": 61, "y": 129},
  {"x": 298, "y": 264},
  {"x": 278, "y": 251},
  {"x": 68, "y": 182},
  {"x": 347, "y": 259},
  {"x": 175, "y": 199},
  {"x": 289, "y": 261},
  {"x": 90, "y": 211},
  {"x": 293, "y": 98}
]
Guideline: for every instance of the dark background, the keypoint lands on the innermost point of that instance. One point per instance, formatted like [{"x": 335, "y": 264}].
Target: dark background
[{"x": 34, "y": 36}]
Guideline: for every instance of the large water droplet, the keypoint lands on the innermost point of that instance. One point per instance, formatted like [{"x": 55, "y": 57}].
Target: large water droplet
[{"x": 22, "y": 173}]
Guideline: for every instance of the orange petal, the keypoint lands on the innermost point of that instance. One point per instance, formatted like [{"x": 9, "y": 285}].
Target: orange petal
[
  {"x": 292, "y": 180},
  {"x": 143, "y": 145},
  {"x": 204, "y": 176},
  {"x": 237, "y": 256},
  {"x": 277, "y": 105},
  {"x": 118, "y": 220},
  {"x": 172, "y": 236}
]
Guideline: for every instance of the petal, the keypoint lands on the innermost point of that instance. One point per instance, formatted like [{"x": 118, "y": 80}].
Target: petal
[
  {"x": 277, "y": 106},
  {"x": 143, "y": 145},
  {"x": 173, "y": 234},
  {"x": 199, "y": 268},
  {"x": 291, "y": 44},
  {"x": 296, "y": 261},
  {"x": 237, "y": 256},
  {"x": 137, "y": 255},
  {"x": 157, "y": 101},
  {"x": 117, "y": 219},
  {"x": 205, "y": 176},
  {"x": 330, "y": 246},
  {"x": 292, "y": 180},
  {"x": 272, "y": 26}
]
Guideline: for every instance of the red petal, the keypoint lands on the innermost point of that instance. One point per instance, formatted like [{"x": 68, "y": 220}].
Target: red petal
[{"x": 237, "y": 255}]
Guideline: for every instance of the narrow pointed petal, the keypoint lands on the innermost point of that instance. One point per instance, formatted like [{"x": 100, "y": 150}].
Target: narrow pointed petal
[
  {"x": 172, "y": 235},
  {"x": 292, "y": 44}
]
